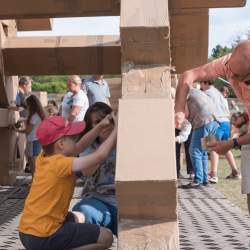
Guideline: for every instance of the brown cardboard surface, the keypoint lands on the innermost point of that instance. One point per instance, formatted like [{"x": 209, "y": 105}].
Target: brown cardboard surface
[
  {"x": 7, "y": 117},
  {"x": 8, "y": 155},
  {"x": 147, "y": 199},
  {"x": 3, "y": 95},
  {"x": 145, "y": 31},
  {"x": 206, "y": 3},
  {"x": 189, "y": 38},
  {"x": 62, "y": 55},
  {"x": 146, "y": 81},
  {"x": 115, "y": 87},
  {"x": 146, "y": 149},
  {"x": 15, "y": 9},
  {"x": 148, "y": 235},
  {"x": 34, "y": 24}
]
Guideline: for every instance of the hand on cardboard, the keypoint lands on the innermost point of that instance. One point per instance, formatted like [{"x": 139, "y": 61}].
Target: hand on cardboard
[{"x": 220, "y": 147}]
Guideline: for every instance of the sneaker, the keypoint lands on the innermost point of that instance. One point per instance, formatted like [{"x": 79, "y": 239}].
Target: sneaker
[
  {"x": 234, "y": 175},
  {"x": 213, "y": 179},
  {"x": 180, "y": 176}
]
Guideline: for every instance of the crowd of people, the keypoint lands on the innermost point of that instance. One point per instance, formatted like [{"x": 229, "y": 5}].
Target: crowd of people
[
  {"x": 77, "y": 139},
  {"x": 208, "y": 121}
]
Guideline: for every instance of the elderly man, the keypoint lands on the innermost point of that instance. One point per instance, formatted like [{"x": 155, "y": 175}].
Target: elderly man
[{"x": 236, "y": 68}]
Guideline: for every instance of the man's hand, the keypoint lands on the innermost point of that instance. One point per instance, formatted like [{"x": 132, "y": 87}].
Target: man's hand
[
  {"x": 179, "y": 119},
  {"x": 220, "y": 147}
]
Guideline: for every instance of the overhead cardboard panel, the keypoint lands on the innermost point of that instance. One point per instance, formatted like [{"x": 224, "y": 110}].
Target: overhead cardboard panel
[
  {"x": 34, "y": 24},
  {"x": 16, "y": 9},
  {"x": 190, "y": 4},
  {"x": 62, "y": 55},
  {"x": 189, "y": 38},
  {"x": 145, "y": 166},
  {"x": 145, "y": 31},
  {"x": 148, "y": 235}
]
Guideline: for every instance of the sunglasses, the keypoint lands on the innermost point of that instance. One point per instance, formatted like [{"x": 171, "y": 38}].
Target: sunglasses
[{"x": 239, "y": 77}]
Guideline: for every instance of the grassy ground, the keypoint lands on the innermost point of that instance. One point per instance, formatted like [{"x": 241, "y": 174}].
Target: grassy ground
[{"x": 230, "y": 188}]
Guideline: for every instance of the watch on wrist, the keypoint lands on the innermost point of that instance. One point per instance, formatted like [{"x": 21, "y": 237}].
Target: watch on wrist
[{"x": 236, "y": 144}]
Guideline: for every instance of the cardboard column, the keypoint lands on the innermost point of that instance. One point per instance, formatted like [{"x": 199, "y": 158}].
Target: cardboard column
[
  {"x": 145, "y": 167},
  {"x": 8, "y": 138}
]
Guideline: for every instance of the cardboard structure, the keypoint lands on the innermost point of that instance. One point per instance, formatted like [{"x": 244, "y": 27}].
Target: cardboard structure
[
  {"x": 155, "y": 35},
  {"x": 62, "y": 55}
]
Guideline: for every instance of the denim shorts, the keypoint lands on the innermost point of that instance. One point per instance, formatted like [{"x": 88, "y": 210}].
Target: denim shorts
[
  {"x": 223, "y": 132},
  {"x": 69, "y": 235}
]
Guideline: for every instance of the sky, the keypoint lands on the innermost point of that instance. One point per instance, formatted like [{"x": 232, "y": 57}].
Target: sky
[{"x": 224, "y": 26}]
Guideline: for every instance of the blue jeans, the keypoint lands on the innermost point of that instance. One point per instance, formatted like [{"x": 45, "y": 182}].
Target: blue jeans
[
  {"x": 98, "y": 212},
  {"x": 199, "y": 156}
]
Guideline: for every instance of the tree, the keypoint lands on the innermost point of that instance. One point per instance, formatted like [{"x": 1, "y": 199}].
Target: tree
[{"x": 220, "y": 51}]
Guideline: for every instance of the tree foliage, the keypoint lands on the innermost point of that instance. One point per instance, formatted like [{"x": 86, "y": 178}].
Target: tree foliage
[{"x": 220, "y": 51}]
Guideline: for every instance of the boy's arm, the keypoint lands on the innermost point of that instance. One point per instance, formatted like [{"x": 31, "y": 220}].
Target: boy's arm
[
  {"x": 89, "y": 138},
  {"x": 90, "y": 162}
]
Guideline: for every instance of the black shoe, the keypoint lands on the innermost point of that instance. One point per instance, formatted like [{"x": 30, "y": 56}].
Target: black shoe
[
  {"x": 27, "y": 170},
  {"x": 191, "y": 185},
  {"x": 206, "y": 184}
]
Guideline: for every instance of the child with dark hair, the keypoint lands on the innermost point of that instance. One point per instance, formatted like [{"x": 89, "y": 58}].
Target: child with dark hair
[
  {"x": 98, "y": 203},
  {"x": 35, "y": 115},
  {"x": 45, "y": 222}
]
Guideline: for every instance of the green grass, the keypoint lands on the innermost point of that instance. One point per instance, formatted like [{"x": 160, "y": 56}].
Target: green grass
[{"x": 230, "y": 188}]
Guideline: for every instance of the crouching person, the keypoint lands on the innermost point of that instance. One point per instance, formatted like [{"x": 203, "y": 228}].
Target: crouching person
[
  {"x": 46, "y": 223},
  {"x": 98, "y": 203}
]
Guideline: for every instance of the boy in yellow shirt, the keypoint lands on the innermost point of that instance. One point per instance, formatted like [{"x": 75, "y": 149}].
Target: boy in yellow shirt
[{"x": 46, "y": 223}]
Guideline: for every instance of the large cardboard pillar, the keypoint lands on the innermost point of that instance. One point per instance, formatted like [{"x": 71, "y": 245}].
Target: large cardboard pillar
[
  {"x": 145, "y": 168},
  {"x": 8, "y": 138},
  {"x": 189, "y": 38}
]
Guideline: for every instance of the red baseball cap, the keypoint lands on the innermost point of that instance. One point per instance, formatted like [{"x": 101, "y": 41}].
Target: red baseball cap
[{"x": 54, "y": 127}]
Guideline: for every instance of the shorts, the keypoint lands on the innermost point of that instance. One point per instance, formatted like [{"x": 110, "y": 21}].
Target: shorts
[
  {"x": 245, "y": 169},
  {"x": 223, "y": 132},
  {"x": 33, "y": 148},
  {"x": 69, "y": 235}
]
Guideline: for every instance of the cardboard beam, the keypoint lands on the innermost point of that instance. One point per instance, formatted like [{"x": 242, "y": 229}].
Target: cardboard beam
[
  {"x": 62, "y": 55},
  {"x": 189, "y": 38},
  {"x": 148, "y": 234},
  {"x": 145, "y": 166},
  {"x": 145, "y": 32},
  {"x": 15, "y": 9},
  {"x": 34, "y": 24},
  {"x": 191, "y": 4}
]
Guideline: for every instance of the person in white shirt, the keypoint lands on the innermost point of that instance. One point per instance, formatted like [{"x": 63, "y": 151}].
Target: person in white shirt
[
  {"x": 75, "y": 103},
  {"x": 35, "y": 116}
]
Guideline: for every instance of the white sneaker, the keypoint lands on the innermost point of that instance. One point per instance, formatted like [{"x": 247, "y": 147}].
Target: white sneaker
[{"x": 213, "y": 179}]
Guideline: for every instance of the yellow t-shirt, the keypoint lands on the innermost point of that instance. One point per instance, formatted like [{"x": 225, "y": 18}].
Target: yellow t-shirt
[{"x": 48, "y": 201}]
